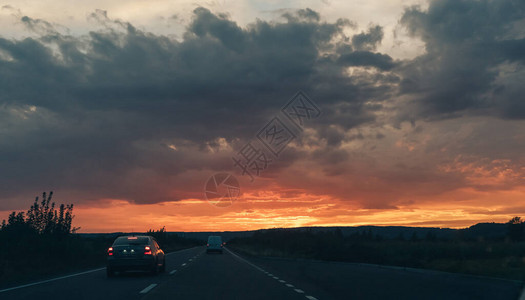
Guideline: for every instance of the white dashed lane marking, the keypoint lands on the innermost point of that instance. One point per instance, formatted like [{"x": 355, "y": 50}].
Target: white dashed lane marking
[
  {"x": 173, "y": 272},
  {"x": 148, "y": 288},
  {"x": 274, "y": 277},
  {"x": 183, "y": 264}
]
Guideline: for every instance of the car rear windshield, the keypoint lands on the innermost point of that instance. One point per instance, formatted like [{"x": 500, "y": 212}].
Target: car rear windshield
[
  {"x": 131, "y": 240},
  {"x": 214, "y": 239}
]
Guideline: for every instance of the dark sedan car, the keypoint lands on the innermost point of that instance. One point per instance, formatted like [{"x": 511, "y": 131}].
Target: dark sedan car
[{"x": 135, "y": 253}]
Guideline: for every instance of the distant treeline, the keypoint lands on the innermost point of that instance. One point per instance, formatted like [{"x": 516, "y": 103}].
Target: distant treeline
[
  {"x": 500, "y": 256},
  {"x": 513, "y": 230},
  {"x": 42, "y": 242},
  {"x": 172, "y": 242}
]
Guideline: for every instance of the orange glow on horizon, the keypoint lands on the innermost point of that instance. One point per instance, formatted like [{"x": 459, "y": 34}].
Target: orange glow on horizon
[{"x": 458, "y": 209}]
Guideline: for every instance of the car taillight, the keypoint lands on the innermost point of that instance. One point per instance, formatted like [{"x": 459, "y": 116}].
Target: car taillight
[
  {"x": 207, "y": 245},
  {"x": 147, "y": 250},
  {"x": 110, "y": 251}
]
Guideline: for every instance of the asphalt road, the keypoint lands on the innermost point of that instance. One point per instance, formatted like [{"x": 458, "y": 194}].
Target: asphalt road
[{"x": 192, "y": 274}]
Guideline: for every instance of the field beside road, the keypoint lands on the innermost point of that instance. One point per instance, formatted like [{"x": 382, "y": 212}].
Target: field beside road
[{"x": 501, "y": 258}]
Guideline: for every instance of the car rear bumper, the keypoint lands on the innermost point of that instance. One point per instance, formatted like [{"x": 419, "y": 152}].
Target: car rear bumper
[
  {"x": 124, "y": 264},
  {"x": 210, "y": 249}
]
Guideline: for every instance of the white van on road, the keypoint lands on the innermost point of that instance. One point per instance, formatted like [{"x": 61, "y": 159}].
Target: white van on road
[{"x": 214, "y": 244}]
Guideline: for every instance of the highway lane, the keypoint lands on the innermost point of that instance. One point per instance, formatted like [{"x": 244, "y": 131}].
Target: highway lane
[
  {"x": 192, "y": 274},
  {"x": 95, "y": 285},
  {"x": 226, "y": 276},
  {"x": 230, "y": 276}
]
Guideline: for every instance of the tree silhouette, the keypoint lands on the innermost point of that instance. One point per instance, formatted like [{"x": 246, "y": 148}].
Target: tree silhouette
[
  {"x": 515, "y": 220},
  {"x": 515, "y": 228},
  {"x": 42, "y": 218},
  {"x": 160, "y": 235}
]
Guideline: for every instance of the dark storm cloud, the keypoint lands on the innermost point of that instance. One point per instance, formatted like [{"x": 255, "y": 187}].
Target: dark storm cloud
[
  {"x": 365, "y": 58},
  {"x": 475, "y": 54},
  {"x": 306, "y": 14},
  {"x": 39, "y": 26},
  {"x": 124, "y": 113},
  {"x": 96, "y": 115},
  {"x": 369, "y": 40}
]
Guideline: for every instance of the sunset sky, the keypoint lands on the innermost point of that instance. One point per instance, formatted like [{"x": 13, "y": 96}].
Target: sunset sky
[{"x": 127, "y": 108}]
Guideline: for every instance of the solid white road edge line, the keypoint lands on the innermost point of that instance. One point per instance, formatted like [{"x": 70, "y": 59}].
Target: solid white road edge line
[
  {"x": 53, "y": 279},
  {"x": 238, "y": 257},
  {"x": 76, "y": 274},
  {"x": 288, "y": 285},
  {"x": 148, "y": 288},
  {"x": 522, "y": 296}
]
